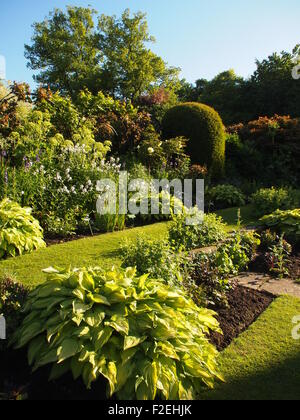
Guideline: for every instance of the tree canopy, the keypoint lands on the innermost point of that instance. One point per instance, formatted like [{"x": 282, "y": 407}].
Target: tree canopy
[
  {"x": 270, "y": 90},
  {"x": 71, "y": 53}
]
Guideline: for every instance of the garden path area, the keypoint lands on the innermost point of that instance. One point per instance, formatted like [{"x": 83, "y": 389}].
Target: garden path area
[{"x": 263, "y": 282}]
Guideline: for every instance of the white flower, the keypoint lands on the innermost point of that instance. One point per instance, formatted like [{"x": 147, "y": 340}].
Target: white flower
[
  {"x": 150, "y": 150},
  {"x": 58, "y": 177}
]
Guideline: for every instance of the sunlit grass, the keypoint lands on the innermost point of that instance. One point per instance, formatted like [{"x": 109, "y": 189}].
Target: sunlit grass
[{"x": 263, "y": 363}]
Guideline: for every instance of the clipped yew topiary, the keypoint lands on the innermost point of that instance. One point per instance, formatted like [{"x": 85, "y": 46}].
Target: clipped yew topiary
[{"x": 204, "y": 128}]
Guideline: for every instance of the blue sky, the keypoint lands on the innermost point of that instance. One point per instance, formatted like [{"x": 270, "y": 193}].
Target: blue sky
[{"x": 201, "y": 37}]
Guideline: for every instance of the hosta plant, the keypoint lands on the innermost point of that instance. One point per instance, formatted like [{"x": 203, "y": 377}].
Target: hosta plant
[
  {"x": 20, "y": 232},
  {"x": 284, "y": 222},
  {"x": 147, "y": 339}
]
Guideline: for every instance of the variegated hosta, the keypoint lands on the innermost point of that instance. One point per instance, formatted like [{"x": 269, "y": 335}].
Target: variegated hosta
[
  {"x": 147, "y": 339},
  {"x": 20, "y": 232}
]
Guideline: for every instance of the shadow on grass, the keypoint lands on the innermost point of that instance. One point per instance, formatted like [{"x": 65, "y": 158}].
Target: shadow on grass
[{"x": 280, "y": 382}]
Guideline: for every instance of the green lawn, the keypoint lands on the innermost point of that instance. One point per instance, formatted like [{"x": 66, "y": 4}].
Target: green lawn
[
  {"x": 264, "y": 362},
  {"x": 98, "y": 250},
  {"x": 230, "y": 216}
]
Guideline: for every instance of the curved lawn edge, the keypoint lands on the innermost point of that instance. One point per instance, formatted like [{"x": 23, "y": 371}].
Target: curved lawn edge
[{"x": 263, "y": 362}]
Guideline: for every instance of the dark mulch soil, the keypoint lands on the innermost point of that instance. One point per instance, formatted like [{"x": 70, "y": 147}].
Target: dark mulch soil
[
  {"x": 245, "y": 306},
  {"x": 58, "y": 240},
  {"x": 294, "y": 266},
  {"x": 259, "y": 265}
]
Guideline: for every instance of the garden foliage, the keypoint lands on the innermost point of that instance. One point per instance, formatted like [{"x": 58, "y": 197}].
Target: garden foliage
[
  {"x": 208, "y": 229},
  {"x": 20, "y": 233},
  {"x": 225, "y": 196},
  {"x": 203, "y": 127},
  {"x": 147, "y": 339},
  {"x": 284, "y": 222},
  {"x": 268, "y": 200},
  {"x": 12, "y": 299}
]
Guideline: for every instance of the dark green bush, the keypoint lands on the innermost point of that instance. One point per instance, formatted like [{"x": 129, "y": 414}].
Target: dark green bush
[
  {"x": 225, "y": 196},
  {"x": 203, "y": 127}
]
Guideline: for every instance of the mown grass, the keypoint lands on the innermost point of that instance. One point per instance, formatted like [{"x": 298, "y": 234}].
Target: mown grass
[
  {"x": 101, "y": 250},
  {"x": 230, "y": 216},
  {"x": 264, "y": 362},
  {"x": 98, "y": 250}
]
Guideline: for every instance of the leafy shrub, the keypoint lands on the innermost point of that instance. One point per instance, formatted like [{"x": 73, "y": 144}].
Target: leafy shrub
[
  {"x": 268, "y": 200},
  {"x": 277, "y": 258},
  {"x": 203, "y": 126},
  {"x": 286, "y": 222},
  {"x": 207, "y": 230},
  {"x": 268, "y": 151},
  {"x": 166, "y": 206},
  {"x": 212, "y": 271},
  {"x": 12, "y": 299},
  {"x": 19, "y": 231},
  {"x": 237, "y": 252},
  {"x": 155, "y": 257},
  {"x": 145, "y": 338},
  {"x": 165, "y": 159},
  {"x": 268, "y": 239},
  {"x": 224, "y": 196},
  {"x": 162, "y": 261},
  {"x": 206, "y": 274}
]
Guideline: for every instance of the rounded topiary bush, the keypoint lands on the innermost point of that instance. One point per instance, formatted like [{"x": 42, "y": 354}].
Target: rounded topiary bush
[{"x": 204, "y": 128}]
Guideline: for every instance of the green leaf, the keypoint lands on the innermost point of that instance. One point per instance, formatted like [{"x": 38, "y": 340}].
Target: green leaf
[
  {"x": 98, "y": 299},
  {"x": 131, "y": 341},
  {"x": 58, "y": 370},
  {"x": 68, "y": 348},
  {"x": 118, "y": 323},
  {"x": 103, "y": 337}
]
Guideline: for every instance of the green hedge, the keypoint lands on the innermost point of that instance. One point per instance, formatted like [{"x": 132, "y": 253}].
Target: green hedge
[{"x": 203, "y": 127}]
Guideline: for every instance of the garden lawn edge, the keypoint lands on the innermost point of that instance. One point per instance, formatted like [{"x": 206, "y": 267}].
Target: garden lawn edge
[{"x": 263, "y": 362}]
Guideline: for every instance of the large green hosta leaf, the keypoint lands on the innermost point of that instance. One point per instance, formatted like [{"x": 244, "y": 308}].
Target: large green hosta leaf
[
  {"x": 19, "y": 232},
  {"x": 146, "y": 339}
]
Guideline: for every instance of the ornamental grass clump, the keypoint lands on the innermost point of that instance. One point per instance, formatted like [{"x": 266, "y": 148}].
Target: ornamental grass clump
[
  {"x": 20, "y": 232},
  {"x": 147, "y": 339}
]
